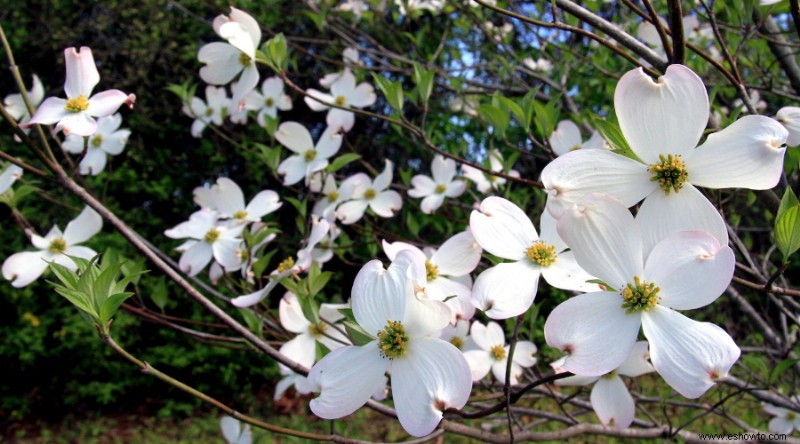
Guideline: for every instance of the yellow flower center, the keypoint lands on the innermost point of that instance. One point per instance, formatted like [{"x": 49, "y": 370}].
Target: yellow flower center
[
  {"x": 392, "y": 340},
  {"x": 241, "y": 214},
  {"x": 340, "y": 101},
  {"x": 370, "y": 194},
  {"x": 77, "y": 104},
  {"x": 639, "y": 296},
  {"x": 245, "y": 59},
  {"x": 498, "y": 352},
  {"x": 243, "y": 254},
  {"x": 790, "y": 416},
  {"x": 332, "y": 196},
  {"x": 457, "y": 341},
  {"x": 432, "y": 270},
  {"x": 209, "y": 112},
  {"x": 97, "y": 140},
  {"x": 310, "y": 155},
  {"x": 269, "y": 102},
  {"x": 318, "y": 329},
  {"x": 542, "y": 254},
  {"x": 212, "y": 235},
  {"x": 670, "y": 173},
  {"x": 440, "y": 188},
  {"x": 287, "y": 264},
  {"x": 58, "y": 245},
  {"x": 610, "y": 374},
  {"x": 575, "y": 148}
]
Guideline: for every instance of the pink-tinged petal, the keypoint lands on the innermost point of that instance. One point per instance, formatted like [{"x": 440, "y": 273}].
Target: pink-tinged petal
[
  {"x": 80, "y": 123},
  {"x": 195, "y": 258},
  {"x": 456, "y": 188},
  {"x": 747, "y": 154},
  {"x": 689, "y": 355},
  {"x": 24, "y": 268},
  {"x": 524, "y": 353},
  {"x": 329, "y": 143},
  {"x": 294, "y": 136},
  {"x": 386, "y": 203},
  {"x": 346, "y": 379},
  {"x": 443, "y": 170},
  {"x": 458, "y": 255},
  {"x": 73, "y": 144},
  {"x": 604, "y": 238},
  {"x": 226, "y": 252},
  {"x": 613, "y": 403},
  {"x": 94, "y": 162},
  {"x": 345, "y": 85},
  {"x": 83, "y": 227},
  {"x": 249, "y": 23},
  {"x": 502, "y": 228},
  {"x": 291, "y": 314},
  {"x": 49, "y": 112},
  {"x": 293, "y": 168},
  {"x": 789, "y": 116},
  {"x": 432, "y": 377},
  {"x": 362, "y": 96},
  {"x": 237, "y": 36},
  {"x": 565, "y": 138},
  {"x": 691, "y": 268},
  {"x": 566, "y": 274},
  {"x": 302, "y": 349},
  {"x": 663, "y": 117},
  {"x": 348, "y": 186},
  {"x": 108, "y": 102},
  {"x": 595, "y": 332},
  {"x": 637, "y": 363},
  {"x": 431, "y": 203},
  {"x": 339, "y": 118},
  {"x": 109, "y": 124},
  {"x": 263, "y": 203},
  {"x": 569, "y": 178},
  {"x": 321, "y": 103},
  {"x": 246, "y": 84},
  {"x": 687, "y": 210},
  {"x": 480, "y": 362},
  {"x": 423, "y": 186},
  {"x": 506, "y": 290},
  {"x": 351, "y": 212},
  {"x": 36, "y": 94},
  {"x": 82, "y": 75},
  {"x": 222, "y": 63}
]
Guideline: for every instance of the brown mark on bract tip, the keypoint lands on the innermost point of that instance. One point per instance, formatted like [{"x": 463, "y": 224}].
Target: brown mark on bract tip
[
  {"x": 439, "y": 404},
  {"x": 568, "y": 349}
]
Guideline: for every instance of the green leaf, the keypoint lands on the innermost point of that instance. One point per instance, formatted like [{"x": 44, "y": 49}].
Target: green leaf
[
  {"x": 316, "y": 285},
  {"x": 780, "y": 368},
  {"x": 613, "y": 135},
  {"x": 787, "y": 232},
  {"x": 276, "y": 52},
  {"x": 348, "y": 315},
  {"x": 159, "y": 294},
  {"x": 357, "y": 334},
  {"x": 67, "y": 277},
  {"x": 111, "y": 305},
  {"x": 601, "y": 282},
  {"x": 300, "y": 206},
  {"x": 423, "y": 78},
  {"x": 393, "y": 91},
  {"x": 341, "y": 161},
  {"x": 310, "y": 308},
  {"x": 252, "y": 321},
  {"x": 292, "y": 285},
  {"x": 515, "y": 109},
  {"x": 496, "y": 117},
  {"x": 788, "y": 200},
  {"x": 78, "y": 299}
]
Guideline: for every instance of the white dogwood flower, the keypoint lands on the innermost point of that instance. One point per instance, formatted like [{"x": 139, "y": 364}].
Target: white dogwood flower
[
  {"x": 374, "y": 194},
  {"x": 207, "y": 240},
  {"x": 611, "y": 400},
  {"x": 226, "y": 198},
  {"x": 308, "y": 158},
  {"x": 108, "y": 140},
  {"x": 333, "y": 196},
  {"x": 458, "y": 335},
  {"x": 508, "y": 289},
  {"x": 269, "y": 101},
  {"x": 234, "y": 433},
  {"x": 349, "y": 57},
  {"x": 9, "y": 176},
  {"x": 789, "y": 117},
  {"x": 25, "y": 267},
  {"x": 428, "y": 375},
  {"x": 785, "y": 421},
  {"x": 344, "y": 92},
  {"x": 445, "y": 270},
  {"x": 225, "y": 60},
  {"x": 15, "y": 104},
  {"x": 492, "y": 354},
  {"x": 684, "y": 271},
  {"x": 76, "y": 114},
  {"x": 663, "y": 122},
  {"x": 211, "y": 111},
  {"x": 567, "y": 137},
  {"x": 442, "y": 185}
]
